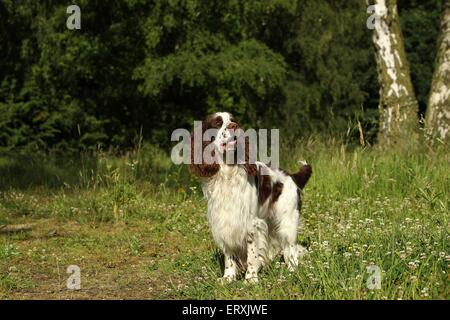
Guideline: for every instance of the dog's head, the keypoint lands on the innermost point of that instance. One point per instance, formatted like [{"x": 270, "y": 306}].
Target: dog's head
[
  {"x": 222, "y": 137},
  {"x": 223, "y": 129}
]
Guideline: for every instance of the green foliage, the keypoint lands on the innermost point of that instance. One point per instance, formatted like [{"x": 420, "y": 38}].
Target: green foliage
[
  {"x": 333, "y": 74},
  {"x": 67, "y": 89},
  {"x": 420, "y": 25},
  {"x": 293, "y": 64},
  {"x": 152, "y": 66}
]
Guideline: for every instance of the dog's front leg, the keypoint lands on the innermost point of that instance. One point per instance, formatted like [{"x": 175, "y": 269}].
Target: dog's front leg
[
  {"x": 230, "y": 271},
  {"x": 253, "y": 262},
  {"x": 257, "y": 240}
]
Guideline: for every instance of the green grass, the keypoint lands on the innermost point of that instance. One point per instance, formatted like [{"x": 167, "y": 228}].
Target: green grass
[{"x": 136, "y": 225}]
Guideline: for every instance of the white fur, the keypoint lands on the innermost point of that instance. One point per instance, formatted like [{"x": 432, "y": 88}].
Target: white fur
[
  {"x": 248, "y": 234},
  {"x": 224, "y": 134}
]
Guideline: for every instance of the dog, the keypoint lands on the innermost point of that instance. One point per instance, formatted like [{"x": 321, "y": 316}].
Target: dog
[{"x": 253, "y": 216}]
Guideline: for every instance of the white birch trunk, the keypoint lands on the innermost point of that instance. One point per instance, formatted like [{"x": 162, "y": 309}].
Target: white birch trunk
[
  {"x": 437, "y": 121},
  {"x": 398, "y": 105}
]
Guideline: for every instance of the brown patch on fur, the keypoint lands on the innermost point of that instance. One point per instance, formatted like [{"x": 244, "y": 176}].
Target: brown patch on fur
[
  {"x": 264, "y": 188},
  {"x": 250, "y": 168},
  {"x": 212, "y": 121},
  {"x": 268, "y": 190},
  {"x": 202, "y": 170},
  {"x": 277, "y": 189},
  {"x": 299, "y": 199}
]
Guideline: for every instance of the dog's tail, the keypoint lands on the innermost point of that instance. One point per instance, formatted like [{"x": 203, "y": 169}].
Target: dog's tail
[{"x": 302, "y": 176}]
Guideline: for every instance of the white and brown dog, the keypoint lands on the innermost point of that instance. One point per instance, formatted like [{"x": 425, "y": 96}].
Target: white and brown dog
[{"x": 253, "y": 217}]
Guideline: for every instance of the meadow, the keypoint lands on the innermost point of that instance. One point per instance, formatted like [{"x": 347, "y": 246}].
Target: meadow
[{"x": 136, "y": 226}]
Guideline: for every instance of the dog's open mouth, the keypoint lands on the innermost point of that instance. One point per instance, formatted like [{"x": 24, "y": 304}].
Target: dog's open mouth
[{"x": 230, "y": 145}]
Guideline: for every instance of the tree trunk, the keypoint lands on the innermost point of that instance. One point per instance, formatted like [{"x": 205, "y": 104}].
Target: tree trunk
[
  {"x": 398, "y": 104},
  {"x": 437, "y": 121}
]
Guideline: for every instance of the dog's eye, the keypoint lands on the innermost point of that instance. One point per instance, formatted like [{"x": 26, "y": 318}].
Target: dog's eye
[{"x": 218, "y": 123}]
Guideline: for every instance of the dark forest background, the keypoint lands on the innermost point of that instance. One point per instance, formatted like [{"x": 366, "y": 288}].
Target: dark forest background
[{"x": 144, "y": 68}]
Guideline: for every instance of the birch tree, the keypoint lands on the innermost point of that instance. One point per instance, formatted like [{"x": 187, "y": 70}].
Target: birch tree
[
  {"x": 398, "y": 105},
  {"x": 437, "y": 121}
]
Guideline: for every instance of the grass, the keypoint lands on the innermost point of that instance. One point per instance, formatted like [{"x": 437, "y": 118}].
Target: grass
[{"x": 136, "y": 226}]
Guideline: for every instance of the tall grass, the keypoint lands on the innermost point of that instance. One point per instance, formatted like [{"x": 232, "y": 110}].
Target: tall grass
[
  {"x": 370, "y": 172},
  {"x": 340, "y": 171}
]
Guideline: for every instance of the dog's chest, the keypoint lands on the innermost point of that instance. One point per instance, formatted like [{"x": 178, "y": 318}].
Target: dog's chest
[{"x": 232, "y": 205}]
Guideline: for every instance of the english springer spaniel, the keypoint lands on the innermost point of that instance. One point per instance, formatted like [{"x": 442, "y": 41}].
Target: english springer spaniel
[{"x": 253, "y": 216}]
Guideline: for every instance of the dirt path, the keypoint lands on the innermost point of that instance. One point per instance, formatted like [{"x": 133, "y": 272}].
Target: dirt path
[{"x": 113, "y": 261}]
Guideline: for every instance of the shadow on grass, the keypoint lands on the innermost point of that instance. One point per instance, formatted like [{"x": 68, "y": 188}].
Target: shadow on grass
[
  {"x": 219, "y": 258},
  {"x": 29, "y": 171}
]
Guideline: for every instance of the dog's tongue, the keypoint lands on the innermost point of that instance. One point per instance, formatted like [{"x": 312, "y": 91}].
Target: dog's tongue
[{"x": 228, "y": 145}]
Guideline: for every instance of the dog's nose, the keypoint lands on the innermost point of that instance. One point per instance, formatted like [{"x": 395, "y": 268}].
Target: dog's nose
[{"x": 233, "y": 126}]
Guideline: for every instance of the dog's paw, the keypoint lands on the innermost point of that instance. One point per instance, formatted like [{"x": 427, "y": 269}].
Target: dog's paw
[
  {"x": 252, "y": 280},
  {"x": 226, "y": 279},
  {"x": 291, "y": 267},
  {"x": 302, "y": 251}
]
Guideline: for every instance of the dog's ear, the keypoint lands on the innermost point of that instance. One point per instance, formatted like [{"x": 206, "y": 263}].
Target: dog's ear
[
  {"x": 251, "y": 169},
  {"x": 202, "y": 170},
  {"x": 233, "y": 119},
  {"x": 249, "y": 164}
]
